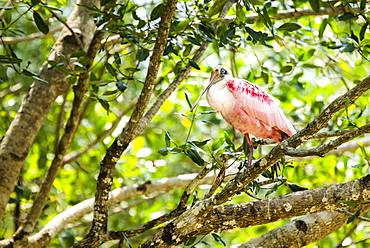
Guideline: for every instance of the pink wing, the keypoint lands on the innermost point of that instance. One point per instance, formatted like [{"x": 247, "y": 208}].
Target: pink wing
[{"x": 257, "y": 104}]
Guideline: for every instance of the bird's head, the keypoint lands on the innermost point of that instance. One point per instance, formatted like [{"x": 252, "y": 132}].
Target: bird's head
[{"x": 218, "y": 74}]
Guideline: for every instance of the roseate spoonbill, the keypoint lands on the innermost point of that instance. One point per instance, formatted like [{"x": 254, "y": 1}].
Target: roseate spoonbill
[{"x": 246, "y": 107}]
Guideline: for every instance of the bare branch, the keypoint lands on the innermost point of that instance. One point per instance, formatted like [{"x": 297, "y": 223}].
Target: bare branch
[
  {"x": 325, "y": 148},
  {"x": 16, "y": 40},
  {"x": 350, "y": 146}
]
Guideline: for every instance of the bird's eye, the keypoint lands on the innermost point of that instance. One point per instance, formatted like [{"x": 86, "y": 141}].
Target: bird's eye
[
  {"x": 223, "y": 72},
  {"x": 216, "y": 70}
]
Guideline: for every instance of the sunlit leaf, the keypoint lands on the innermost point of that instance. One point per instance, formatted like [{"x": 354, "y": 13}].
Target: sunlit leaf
[
  {"x": 142, "y": 54},
  {"x": 111, "y": 69},
  {"x": 218, "y": 239},
  {"x": 346, "y": 16},
  {"x": 168, "y": 139},
  {"x": 121, "y": 86},
  {"x": 218, "y": 143},
  {"x": 40, "y": 23},
  {"x": 9, "y": 60},
  {"x": 156, "y": 12},
  {"x": 355, "y": 216},
  {"x": 295, "y": 187},
  {"x": 289, "y": 27},
  {"x": 188, "y": 101},
  {"x": 315, "y": 5},
  {"x": 194, "y": 64},
  {"x": 194, "y": 155}
]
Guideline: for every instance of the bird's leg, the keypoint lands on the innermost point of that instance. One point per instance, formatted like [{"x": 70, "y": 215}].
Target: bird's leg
[{"x": 250, "y": 146}]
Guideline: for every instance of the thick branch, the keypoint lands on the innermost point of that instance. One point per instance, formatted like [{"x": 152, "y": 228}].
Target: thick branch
[
  {"x": 20, "y": 135},
  {"x": 303, "y": 231},
  {"x": 248, "y": 214}
]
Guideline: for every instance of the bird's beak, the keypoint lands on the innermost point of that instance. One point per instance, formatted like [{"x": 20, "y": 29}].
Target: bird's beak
[{"x": 212, "y": 79}]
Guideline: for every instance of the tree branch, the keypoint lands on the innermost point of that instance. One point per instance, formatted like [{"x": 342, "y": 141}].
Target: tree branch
[
  {"x": 303, "y": 231},
  {"x": 233, "y": 216},
  {"x": 20, "y": 135},
  {"x": 321, "y": 150},
  {"x": 99, "y": 226},
  {"x": 58, "y": 223}
]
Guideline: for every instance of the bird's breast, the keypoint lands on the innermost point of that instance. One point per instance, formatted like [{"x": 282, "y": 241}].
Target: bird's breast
[{"x": 220, "y": 98}]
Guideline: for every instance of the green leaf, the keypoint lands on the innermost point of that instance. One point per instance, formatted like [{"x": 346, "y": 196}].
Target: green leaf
[
  {"x": 256, "y": 35},
  {"x": 267, "y": 174},
  {"x": 286, "y": 69},
  {"x": 142, "y": 55},
  {"x": 289, "y": 27},
  {"x": 7, "y": 17},
  {"x": 156, "y": 12},
  {"x": 363, "y": 31},
  {"x": 163, "y": 151},
  {"x": 240, "y": 14},
  {"x": 110, "y": 92},
  {"x": 192, "y": 40},
  {"x": 218, "y": 239},
  {"x": 111, "y": 69},
  {"x": 104, "y": 104},
  {"x": 355, "y": 216},
  {"x": 322, "y": 28},
  {"x": 182, "y": 25},
  {"x": 194, "y": 155},
  {"x": 228, "y": 141},
  {"x": 348, "y": 48},
  {"x": 294, "y": 187},
  {"x": 9, "y": 60},
  {"x": 40, "y": 23},
  {"x": 187, "y": 50},
  {"x": 218, "y": 143},
  {"x": 104, "y": 2},
  {"x": 221, "y": 30},
  {"x": 168, "y": 139},
  {"x": 121, "y": 86},
  {"x": 29, "y": 73},
  {"x": 346, "y": 16},
  {"x": 315, "y": 5},
  {"x": 194, "y": 64},
  {"x": 270, "y": 191},
  {"x": 78, "y": 54},
  {"x": 35, "y": 2},
  {"x": 188, "y": 101},
  {"x": 200, "y": 143},
  {"x": 350, "y": 203},
  {"x": 309, "y": 65},
  {"x": 306, "y": 55}
]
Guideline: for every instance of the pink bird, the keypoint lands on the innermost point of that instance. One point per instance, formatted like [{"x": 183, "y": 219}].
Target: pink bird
[{"x": 246, "y": 107}]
